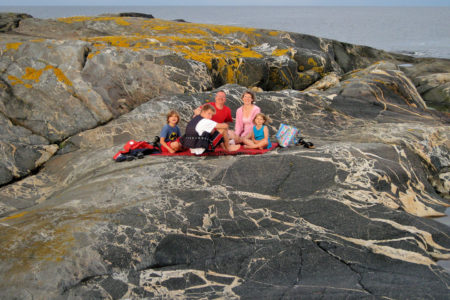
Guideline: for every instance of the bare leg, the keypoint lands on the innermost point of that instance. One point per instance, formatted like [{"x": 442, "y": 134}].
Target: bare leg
[
  {"x": 237, "y": 139},
  {"x": 249, "y": 144},
  {"x": 234, "y": 137},
  {"x": 226, "y": 143},
  {"x": 175, "y": 146}
]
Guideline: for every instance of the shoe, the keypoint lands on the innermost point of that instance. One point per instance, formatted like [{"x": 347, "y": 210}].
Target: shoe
[
  {"x": 309, "y": 145},
  {"x": 301, "y": 141}
]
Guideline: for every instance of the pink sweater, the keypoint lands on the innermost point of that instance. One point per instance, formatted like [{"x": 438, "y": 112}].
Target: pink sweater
[{"x": 244, "y": 126}]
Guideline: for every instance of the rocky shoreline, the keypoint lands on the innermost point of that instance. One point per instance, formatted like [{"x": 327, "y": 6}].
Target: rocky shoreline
[{"x": 351, "y": 218}]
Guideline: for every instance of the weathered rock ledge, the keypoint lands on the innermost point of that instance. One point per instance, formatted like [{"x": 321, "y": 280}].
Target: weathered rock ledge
[
  {"x": 84, "y": 71},
  {"x": 349, "y": 219}
]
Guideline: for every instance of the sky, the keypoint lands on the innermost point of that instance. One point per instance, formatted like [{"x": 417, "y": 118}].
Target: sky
[{"x": 228, "y": 2}]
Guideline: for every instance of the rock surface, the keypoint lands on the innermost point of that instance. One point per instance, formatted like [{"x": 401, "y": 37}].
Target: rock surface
[
  {"x": 432, "y": 80},
  {"x": 84, "y": 71},
  {"x": 349, "y": 219}
]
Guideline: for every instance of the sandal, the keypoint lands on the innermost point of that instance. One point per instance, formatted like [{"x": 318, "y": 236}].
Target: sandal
[{"x": 309, "y": 145}]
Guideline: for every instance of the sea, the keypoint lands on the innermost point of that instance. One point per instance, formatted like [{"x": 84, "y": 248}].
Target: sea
[{"x": 417, "y": 31}]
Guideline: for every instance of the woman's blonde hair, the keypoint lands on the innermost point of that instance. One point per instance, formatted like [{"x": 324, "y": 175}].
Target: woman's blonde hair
[
  {"x": 266, "y": 119},
  {"x": 173, "y": 113}
]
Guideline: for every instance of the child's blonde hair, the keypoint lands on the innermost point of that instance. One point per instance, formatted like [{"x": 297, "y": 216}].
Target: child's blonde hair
[
  {"x": 173, "y": 113},
  {"x": 208, "y": 106},
  {"x": 266, "y": 119}
]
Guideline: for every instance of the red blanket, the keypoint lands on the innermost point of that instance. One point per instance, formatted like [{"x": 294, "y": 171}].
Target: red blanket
[
  {"x": 220, "y": 151},
  {"x": 134, "y": 149}
]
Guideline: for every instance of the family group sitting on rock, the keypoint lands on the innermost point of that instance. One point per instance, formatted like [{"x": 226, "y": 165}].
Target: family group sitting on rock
[{"x": 209, "y": 128}]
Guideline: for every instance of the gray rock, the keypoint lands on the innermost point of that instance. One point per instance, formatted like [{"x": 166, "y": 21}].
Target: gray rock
[
  {"x": 348, "y": 219},
  {"x": 341, "y": 217},
  {"x": 432, "y": 81},
  {"x": 435, "y": 90},
  {"x": 136, "y": 15},
  {"x": 9, "y": 21},
  {"x": 252, "y": 72}
]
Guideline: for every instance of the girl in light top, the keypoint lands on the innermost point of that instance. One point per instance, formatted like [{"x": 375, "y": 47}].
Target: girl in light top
[
  {"x": 244, "y": 117},
  {"x": 259, "y": 136}
]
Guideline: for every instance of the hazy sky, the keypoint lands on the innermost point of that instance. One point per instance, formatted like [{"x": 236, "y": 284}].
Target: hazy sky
[{"x": 229, "y": 2}]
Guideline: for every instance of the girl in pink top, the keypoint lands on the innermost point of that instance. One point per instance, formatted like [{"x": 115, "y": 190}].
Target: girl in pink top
[{"x": 244, "y": 117}]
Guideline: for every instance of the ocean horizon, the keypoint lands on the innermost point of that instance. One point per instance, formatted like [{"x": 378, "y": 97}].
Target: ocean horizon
[{"x": 417, "y": 31}]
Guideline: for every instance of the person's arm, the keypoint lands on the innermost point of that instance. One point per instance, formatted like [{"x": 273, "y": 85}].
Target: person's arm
[
  {"x": 266, "y": 134},
  {"x": 251, "y": 136},
  {"x": 238, "y": 128},
  {"x": 164, "y": 144},
  {"x": 222, "y": 126},
  {"x": 249, "y": 140},
  {"x": 198, "y": 110}
]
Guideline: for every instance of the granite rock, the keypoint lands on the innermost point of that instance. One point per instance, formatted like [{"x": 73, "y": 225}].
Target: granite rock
[
  {"x": 351, "y": 218},
  {"x": 431, "y": 77},
  {"x": 9, "y": 21},
  {"x": 342, "y": 220}
]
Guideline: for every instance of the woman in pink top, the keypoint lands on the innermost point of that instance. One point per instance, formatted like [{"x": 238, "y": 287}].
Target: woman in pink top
[{"x": 244, "y": 117}]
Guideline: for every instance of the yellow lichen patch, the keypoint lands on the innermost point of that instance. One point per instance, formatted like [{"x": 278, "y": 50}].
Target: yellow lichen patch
[
  {"x": 61, "y": 77},
  {"x": 198, "y": 42},
  {"x": 13, "y": 46},
  {"x": 14, "y": 80},
  {"x": 92, "y": 54},
  {"x": 32, "y": 74},
  {"x": 199, "y": 49},
  {"x": 169, "y": 27},
  {"x": 280, "y": 52},
  {"x": 121, "y": 21},
  {"x": 319, "y": 70},
  {"x": 219, "y": 47},
  {"x": 178, "y": 28},
  {"x": 312, "y": 62},
  {"x": 14, "y": 216},
  {"x": 75, "y": 19},
  {"x": 118, "y": 20},
  {"x": 132, "y": 42},
  {"x": 225, "y": 30},
  {"x": 45, "y": 236}
]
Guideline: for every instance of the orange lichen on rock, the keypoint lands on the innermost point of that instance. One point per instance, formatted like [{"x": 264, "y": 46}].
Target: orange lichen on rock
[
  {"x": 32, "y": 74},
  {"x": 200, "y": 49},
  {"x": 13, "y": 46},
  {"x": 15, "y": 80},
  {"x": 219, "y": 47},
  {"x": 280, "y": 52},
  {"x": 194, "y": 29},
  {"x": 118, "y": 20}
]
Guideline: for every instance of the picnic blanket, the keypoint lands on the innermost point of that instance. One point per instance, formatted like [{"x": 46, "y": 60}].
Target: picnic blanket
[
  {"x": 220, "y": 151},
  {"x": 135, "y": 150}
]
